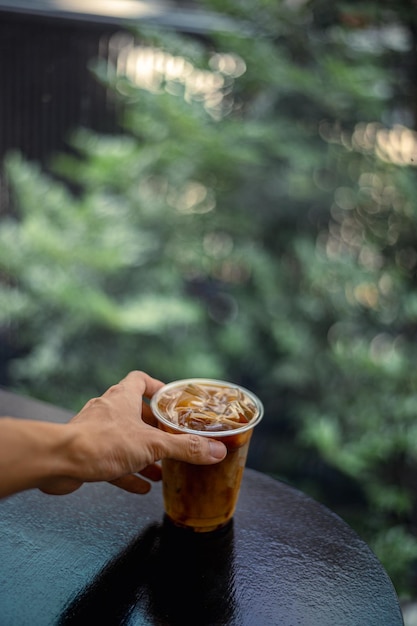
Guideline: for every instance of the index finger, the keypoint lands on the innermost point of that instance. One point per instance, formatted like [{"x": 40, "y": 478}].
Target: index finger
[{"x": 140, "y": 382}]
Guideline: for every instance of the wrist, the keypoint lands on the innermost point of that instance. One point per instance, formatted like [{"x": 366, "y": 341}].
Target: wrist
[{"x": 34, "y": 453}]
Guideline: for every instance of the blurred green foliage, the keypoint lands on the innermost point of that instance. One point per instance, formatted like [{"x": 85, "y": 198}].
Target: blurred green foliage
[{"x": 256, "y": 221}]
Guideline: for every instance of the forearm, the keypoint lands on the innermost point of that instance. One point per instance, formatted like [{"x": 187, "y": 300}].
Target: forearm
[{"x": 33, "y": 452}]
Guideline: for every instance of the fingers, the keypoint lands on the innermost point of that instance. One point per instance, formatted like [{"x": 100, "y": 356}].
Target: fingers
[
  {"x": 136, "y": 385},
  {"x": 132, "y": 388},
  {"x": 153, "y": 472},
  {"x": 60, "y": 486},
  {"x": 192, "y": 449},
  {"x": 135, "y": 484},
  {"x": 140, "y": 382},
  {"x": 147, "y": 415},
  {"x": 132, "y": 483}
]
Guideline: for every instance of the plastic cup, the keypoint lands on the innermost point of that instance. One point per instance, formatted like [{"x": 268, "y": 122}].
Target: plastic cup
[{"x": 203, "y": 498}]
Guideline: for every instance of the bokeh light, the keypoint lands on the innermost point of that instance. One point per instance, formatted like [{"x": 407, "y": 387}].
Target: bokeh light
[{"x": 158, "y": 71}]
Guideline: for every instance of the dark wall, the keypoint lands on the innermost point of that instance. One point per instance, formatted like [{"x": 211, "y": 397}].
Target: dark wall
[{"x": 46, "y": 87}]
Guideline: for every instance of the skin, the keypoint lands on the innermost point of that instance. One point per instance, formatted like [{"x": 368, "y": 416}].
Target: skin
[{"x": 113, "y": 439}]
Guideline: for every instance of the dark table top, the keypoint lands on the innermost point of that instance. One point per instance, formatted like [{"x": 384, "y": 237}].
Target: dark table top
[{"x": 103, "y": 556}]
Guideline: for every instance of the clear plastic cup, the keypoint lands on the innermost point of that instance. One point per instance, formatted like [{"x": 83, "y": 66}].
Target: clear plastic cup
[{"x": 204, "y": 497}]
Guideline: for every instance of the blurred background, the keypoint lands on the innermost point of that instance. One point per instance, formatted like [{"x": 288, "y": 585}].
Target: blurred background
[{"x": 224, "y": 189}]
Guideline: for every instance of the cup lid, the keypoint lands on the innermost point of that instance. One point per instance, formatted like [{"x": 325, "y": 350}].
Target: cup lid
[{"x": 206, "y": 382}]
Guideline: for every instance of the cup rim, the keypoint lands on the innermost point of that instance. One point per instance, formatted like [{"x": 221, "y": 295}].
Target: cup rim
[{"x": 204, "y": 433}]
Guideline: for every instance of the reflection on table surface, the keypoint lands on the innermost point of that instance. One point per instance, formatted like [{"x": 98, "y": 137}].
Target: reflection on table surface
[{"x": 166, "y": 573}]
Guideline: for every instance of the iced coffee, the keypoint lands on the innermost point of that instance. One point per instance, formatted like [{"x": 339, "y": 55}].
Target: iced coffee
[{"x": 204, "y": 497}]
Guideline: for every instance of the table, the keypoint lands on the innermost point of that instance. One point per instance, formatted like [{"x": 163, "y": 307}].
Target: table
[{"x": 103, "y": 556}]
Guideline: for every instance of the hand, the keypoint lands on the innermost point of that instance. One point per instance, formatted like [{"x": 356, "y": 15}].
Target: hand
[{"x": 114, "y": 438}]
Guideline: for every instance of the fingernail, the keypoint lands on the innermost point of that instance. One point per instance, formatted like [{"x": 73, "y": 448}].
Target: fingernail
[{"x": 217, "y": 449}]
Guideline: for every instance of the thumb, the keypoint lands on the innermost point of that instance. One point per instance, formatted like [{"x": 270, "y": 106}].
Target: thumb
[{"x": 193, "y": 449}]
